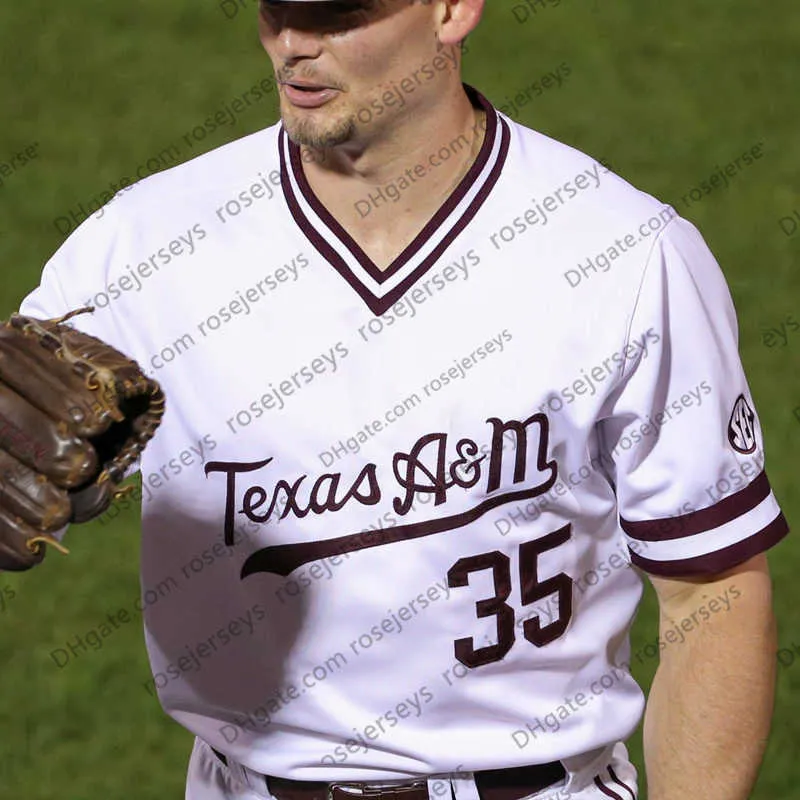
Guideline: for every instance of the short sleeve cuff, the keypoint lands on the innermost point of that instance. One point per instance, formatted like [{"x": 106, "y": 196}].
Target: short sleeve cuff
[{"x": 711, "y": 540}]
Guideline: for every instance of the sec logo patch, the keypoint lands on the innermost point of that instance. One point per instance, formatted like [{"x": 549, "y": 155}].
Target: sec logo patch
[{"x": 741, "y": 427}]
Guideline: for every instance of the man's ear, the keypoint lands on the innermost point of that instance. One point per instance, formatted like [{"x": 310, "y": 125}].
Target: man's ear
[{"x": 457, "y": 19}]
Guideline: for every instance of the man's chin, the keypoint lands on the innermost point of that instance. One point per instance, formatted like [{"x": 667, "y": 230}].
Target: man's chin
[{"x": 303, "y": 129}]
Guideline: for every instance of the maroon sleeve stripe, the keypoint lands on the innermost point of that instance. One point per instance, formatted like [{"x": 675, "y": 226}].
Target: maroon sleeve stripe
[
  {"x": 720, "y": 560},
  {"x": 624, "y": 785},
  {"x": 605, "y": 790},
  {"x": 659, "y": 530}
]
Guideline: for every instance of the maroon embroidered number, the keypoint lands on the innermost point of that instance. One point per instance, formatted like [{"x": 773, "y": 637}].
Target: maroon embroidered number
[
  {"x": 532, "y": 589},
  {"x": 458, "y": 575}
]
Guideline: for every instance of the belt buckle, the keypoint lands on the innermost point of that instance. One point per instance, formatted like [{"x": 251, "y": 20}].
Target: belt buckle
[{"x": 367, "y": 790}]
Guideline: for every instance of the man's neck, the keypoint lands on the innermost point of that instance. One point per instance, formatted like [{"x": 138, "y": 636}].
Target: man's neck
[{"x": 384, "y": 194}]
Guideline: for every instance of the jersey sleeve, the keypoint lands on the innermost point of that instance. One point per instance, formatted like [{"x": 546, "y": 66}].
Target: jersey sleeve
[
  {"x": 681, "y": 430},
  {"x": 47, "y": 300},
  {"x": 79, "y": 263},
  {"x": 76, "y": 271}
]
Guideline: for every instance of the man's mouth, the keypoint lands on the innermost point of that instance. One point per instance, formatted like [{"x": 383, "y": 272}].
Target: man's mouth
[
  {"x": 307, "y": 95},
  {"x": 306, "y": 87}
]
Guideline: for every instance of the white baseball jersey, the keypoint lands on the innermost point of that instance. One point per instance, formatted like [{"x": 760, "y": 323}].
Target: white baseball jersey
[{"x": 388, "y": 519}]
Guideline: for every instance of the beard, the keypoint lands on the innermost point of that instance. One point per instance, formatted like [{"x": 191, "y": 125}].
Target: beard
[{"x": 319, "y": 134}]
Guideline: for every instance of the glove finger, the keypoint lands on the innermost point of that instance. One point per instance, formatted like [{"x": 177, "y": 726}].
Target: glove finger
[
  {"x": 98, "y": 353},
  {"x": 92, "y": 501},
  {"x": 46, "y": 446},
  {"x": 32, "y": 497},
  {"x": 15, "y": 553},
  {"x": 121, "y": 387},
  {"x": 33, "y": 363}
]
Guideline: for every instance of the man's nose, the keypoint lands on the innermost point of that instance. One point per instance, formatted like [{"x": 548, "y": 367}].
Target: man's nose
[{"x": 294, "y": 44}]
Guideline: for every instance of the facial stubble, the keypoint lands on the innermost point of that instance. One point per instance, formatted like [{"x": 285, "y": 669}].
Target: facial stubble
[{"x": 303, "y": 130}]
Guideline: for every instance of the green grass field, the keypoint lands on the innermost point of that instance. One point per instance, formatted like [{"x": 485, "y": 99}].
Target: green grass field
[{"x": 664, "y": 92}]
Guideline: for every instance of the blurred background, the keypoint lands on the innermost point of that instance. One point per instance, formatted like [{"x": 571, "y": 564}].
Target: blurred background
[{"x": 666, "y": 93}]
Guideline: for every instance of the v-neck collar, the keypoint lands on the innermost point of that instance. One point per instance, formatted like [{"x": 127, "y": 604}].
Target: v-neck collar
[{"x": 381, "y": 289}]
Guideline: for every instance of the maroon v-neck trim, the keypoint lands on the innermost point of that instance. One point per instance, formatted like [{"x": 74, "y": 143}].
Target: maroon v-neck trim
[{"x": 337, "y": 235}]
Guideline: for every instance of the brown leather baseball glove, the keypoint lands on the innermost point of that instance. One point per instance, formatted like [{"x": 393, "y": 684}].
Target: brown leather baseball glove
[{"x": 74, "y": 415}]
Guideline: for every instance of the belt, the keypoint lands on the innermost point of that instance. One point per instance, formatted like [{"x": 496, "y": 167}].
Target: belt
[{"x": 513, "y": 783}]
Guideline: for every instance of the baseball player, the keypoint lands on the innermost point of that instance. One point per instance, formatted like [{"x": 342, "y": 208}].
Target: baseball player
[{"x": 434, "y": 382}]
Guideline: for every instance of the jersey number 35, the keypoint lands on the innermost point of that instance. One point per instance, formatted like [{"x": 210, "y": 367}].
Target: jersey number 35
[{"x": 532, "y": 590}]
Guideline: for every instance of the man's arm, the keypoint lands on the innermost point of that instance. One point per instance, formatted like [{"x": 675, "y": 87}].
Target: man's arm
[{"x": 710, "y": 706}]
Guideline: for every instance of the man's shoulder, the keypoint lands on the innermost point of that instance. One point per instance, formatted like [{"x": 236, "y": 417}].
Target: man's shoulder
[
  {"x": 550, "y": 164},
  {"x": 203, "y": 177},
  {"x": 160, "y": 219},
  {"x": 160, "y": 206}
]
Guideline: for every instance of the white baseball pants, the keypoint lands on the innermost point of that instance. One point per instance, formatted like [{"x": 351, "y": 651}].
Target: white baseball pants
[{"x": 607, "y": 774}]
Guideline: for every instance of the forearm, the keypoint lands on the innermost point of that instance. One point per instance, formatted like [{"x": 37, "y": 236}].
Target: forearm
[{"x": 710, "y": 705}]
